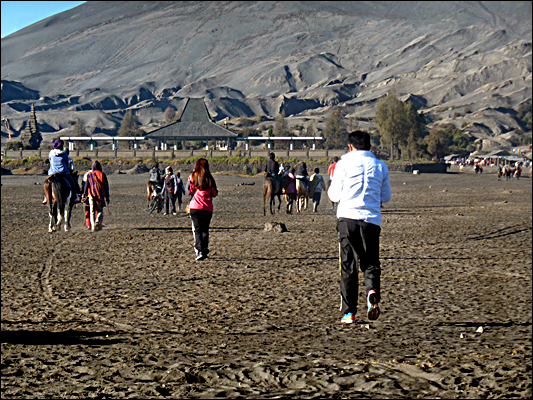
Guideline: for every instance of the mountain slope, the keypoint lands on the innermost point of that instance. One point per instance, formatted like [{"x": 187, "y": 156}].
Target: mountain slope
[{"x": 254, "y": 58}]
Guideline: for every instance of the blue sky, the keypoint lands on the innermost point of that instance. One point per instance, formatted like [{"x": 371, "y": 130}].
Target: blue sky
[{"x": 17, "y": 15}]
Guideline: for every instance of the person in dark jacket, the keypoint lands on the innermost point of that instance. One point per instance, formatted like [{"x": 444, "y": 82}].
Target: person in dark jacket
[{"x": 301, "y": 173}]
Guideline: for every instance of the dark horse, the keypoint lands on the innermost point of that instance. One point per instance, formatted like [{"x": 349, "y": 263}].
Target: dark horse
[
  {"x": 333, "y": 205},
  {"x": 60, "y": 199},
  {"x": 271, "y": 188}
]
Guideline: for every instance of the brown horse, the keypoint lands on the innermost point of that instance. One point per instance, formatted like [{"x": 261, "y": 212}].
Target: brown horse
[
  {"x": 60, "y": 199},
  {"x": 271, "y": 189},
  {"x": 301, "y": 196},
  {"x": 333, "y": 204}
]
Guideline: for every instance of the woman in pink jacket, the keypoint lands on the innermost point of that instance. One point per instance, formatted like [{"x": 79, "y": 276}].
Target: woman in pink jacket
[{"x": 203, "y": 189}]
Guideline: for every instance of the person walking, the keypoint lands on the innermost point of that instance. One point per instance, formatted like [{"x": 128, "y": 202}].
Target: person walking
[
  {"x": 289, "y": 187},
  {"x": 331, "y": 168},
  {"x": 316, "y": 185},
  {"x": 170, "y": 188},
  {"x": 180, "y": 190},
  {"x": 96, "y": 189},
  {"x": 360, "y": 185},
  {"x": 203, "y": 188}
]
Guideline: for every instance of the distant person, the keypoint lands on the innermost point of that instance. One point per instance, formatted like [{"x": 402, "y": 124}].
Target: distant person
[
  {"x": 331, "y": 167},
  {"x": 203, "y": 189},
  {"x": 170, "y": 188},
  {"x": 301, "y": 173},
  {"x": 360, "y": 184},
  {"x": 272, "y": 168},
  {"x": 181, "y": 190},
  {"x": 97, "y": 191},
  {"x": 59, "y": 163},
  {"x": 289, "y": 187},
  {"x": 155, "y": 175},
  {"x": 316, "y": 185}
]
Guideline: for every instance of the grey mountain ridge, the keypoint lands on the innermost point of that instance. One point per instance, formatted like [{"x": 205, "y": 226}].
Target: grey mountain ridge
[{"x": 458, "y": 61}]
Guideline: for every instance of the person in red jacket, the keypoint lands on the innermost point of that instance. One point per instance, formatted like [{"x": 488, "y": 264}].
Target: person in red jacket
[{"x": 203, "y": 188}]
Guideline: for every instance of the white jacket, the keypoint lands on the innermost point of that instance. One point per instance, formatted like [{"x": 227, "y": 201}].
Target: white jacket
[{"x": 360, "y": 184}]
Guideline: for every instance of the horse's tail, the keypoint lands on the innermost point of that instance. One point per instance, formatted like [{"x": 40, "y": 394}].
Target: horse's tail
[{"x": 56, "y": 193}]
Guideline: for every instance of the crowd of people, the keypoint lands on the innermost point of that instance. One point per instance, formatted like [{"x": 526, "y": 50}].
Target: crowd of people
[{"x": 359, "y": 184}]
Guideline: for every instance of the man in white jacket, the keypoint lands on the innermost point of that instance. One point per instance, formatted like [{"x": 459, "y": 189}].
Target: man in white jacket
[{"x": 360, "y": 185}]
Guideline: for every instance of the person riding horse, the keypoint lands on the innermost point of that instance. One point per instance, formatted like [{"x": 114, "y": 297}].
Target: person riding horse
[
  {"x": 272, "y": 169},
  {"x": 155, "y": 181},
  {"x": 301, "y": 173},
  {"x": 59, "y": 163}
]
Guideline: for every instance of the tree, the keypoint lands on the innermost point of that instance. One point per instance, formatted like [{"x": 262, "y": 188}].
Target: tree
[
  {"x": 437, "y": 143},
  {"x": 392, "y": 123},
  {"x": 281, "y": 128},
  {"x": 170, "y": 115},
  {"x": 335, "y": 132},
  {"x": 129, "y": 126},
  {"x": 416, "y": 125}
]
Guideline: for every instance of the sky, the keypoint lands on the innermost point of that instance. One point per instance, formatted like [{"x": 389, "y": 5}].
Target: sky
[{"x": 17, "y": 15}]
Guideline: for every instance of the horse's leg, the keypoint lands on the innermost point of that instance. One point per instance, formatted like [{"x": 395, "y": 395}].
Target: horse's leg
[
  {"x": 279, "y": 203},
  {"x": 67, "y": 211}
]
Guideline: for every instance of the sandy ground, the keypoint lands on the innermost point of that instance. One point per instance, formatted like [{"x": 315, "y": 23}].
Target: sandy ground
[{"x": 127, "y": 313}]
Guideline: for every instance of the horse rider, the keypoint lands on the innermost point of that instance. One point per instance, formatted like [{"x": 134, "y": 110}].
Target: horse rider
[
  {"x": 301, "y": 173},
  {"x": 59, "y": 163},
  {"x": 272, "y": 168},
  {"x": 155, "y": 176}
]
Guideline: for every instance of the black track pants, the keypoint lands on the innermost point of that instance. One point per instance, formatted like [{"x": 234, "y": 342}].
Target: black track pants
[
  {"x": 200, "y": 228},
  {"x": 357, "y": 239}
]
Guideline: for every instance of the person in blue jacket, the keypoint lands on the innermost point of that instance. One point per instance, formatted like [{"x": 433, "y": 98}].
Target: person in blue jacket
[{"x": 59, "y": 163}]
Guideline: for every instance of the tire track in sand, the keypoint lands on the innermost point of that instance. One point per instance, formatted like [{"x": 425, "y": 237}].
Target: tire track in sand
[{"x": 46, "y": 289}]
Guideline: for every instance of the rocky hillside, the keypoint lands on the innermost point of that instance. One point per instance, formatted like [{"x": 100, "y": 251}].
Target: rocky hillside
[{"x": 468, "y": 63}]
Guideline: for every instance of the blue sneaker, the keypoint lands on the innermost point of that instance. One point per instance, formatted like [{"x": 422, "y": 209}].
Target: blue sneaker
[
  {"x": 348, "y": 318},
  {"x": 373, "y": 306}
]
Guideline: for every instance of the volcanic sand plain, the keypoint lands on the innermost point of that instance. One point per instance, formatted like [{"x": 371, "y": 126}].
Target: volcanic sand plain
[{"x": 127, "y": 313}]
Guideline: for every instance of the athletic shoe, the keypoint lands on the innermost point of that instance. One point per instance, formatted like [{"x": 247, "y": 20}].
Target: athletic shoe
[
  {"x": 373, "y": 306},
  {"x": 348, "y": 318},
  {"x": 200, "y": 257},
  {"x": 174, "y": 213}
]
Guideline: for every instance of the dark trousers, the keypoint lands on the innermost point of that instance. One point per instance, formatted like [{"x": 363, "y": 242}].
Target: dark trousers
[
  {"x": 358, "y": 245},
  {"x": 170, "y": 199},
  {"x": 200, "y": 228}
]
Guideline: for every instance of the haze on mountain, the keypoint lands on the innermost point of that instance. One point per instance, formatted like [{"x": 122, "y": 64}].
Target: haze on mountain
[{"x": 467, "y": 63}]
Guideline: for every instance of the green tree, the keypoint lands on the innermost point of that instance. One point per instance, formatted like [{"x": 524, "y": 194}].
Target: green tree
[
  {"x": 129, "y": 127},
  {"x": 392, "y": 123},
  {"x": 437, "y": 143},
  {"x": 170, "y": 115},
  {"x": 335, "y": 132},
  {"x": 281, "y": 128},
  {"x": 416, "y": 122}
]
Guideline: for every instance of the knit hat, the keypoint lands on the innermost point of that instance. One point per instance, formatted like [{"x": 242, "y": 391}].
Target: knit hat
[
  {"x": 58, "y": 144},
  {"x": 96, "y": 166}
]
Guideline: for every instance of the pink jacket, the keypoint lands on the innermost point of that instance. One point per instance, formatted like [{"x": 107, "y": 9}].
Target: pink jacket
[{"x": 202, "y": 199}]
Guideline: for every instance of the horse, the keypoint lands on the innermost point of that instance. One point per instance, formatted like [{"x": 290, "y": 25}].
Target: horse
[
  {"x": 333, "y": 204},
  {"x": 301, "y": 195},
  {"x": 150, "y": 187},
  {"x": 60, "y": 198},
  {"x": 271, "y": 188}
]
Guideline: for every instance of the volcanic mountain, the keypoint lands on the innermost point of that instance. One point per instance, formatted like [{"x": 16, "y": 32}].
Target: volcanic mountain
[{"x": 466, "y": 63}]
